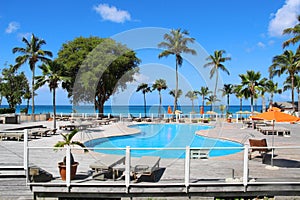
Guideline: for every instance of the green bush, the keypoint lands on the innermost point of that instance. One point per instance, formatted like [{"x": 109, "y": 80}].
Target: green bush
[{"x": 7, "y": 110}]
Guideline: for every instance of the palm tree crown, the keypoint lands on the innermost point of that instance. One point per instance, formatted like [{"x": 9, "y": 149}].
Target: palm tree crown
[
  {"x": 216, "y": 61},
  {"x": 175, "y": 44},
  {"x": 32, "y": 53},
  {"x": 295, "y": 31}
]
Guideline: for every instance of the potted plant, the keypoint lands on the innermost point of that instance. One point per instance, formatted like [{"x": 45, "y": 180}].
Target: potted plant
[
  {"x": 229, "y": 117},
  {"x": 68, "y": 141}
]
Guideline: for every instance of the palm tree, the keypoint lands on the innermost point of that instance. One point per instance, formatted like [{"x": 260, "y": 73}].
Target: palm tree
[
  {"x": 250, "y": 85},
  {"x": 211, "y": 99},
  {"x": 145, "y": 89},
  {"x": 160, "y": 84},
  {"x": 288, "y": 63},
  {"x": 272, "y": 88},
  {"x": 32, "y": 53},
  {"x": 216, "y": 61},
  {"x": 295, "y": 31},
  {"x": 51, "y": 74},
  {"x": 288, "y": 86},
  {"x": 227, "y": 91},
  {"x": 176, "y": 43},
  {"x": 204, "y": 91},
  {"x": 237, "y": 90},
  {"x": 192, "y": 95},
  {"x": 173, "y": 94}
]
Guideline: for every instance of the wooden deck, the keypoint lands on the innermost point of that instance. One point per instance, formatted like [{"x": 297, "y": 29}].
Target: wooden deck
[{"x": 215, "y": 176}]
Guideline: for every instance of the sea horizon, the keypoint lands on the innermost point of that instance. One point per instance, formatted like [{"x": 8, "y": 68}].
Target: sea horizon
[{"x": 135, "y": 110}]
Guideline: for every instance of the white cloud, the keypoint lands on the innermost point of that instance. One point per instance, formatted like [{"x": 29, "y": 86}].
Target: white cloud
[
  {"x": 285, "y": 17},
  {"x": 261, "y": 45},
  {"x": 12, "y": 27},
  {"x": 111, "y": 13}
]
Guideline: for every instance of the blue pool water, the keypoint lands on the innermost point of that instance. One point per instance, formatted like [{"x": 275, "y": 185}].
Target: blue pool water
[{"x": 164, "y": 136}]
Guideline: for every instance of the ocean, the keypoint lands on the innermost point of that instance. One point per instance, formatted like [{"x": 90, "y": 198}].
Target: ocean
[{"x": 135, "y": 110}]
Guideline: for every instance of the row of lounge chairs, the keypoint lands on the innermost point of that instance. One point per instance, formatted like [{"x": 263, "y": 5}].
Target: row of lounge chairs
[
  {"x": 32, "y": 133},
  {"x": 84, "y": 124},
  {"x": 277, "y": 130}
]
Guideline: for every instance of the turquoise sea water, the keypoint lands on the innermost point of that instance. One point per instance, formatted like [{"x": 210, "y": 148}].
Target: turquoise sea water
[
  {"x": 133, "y": 109},
  {"x": 164, "y": 136}
]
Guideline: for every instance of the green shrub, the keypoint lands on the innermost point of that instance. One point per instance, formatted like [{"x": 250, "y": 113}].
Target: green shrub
[{"x": 7, "y": 110}]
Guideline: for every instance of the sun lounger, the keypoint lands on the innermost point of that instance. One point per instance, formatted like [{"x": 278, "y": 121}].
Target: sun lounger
[
  {"x": 146, "y": 165},
  {"x": 258, "y": 143},
  {"x": 199, "y": 153},
  {"x": 11, "y": 134},
  {"x": 103, "y": 167}
]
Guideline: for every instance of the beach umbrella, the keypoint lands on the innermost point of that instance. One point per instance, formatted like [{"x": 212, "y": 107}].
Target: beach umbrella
[
  {"x": 275, "y": 116},
  {"x": 170, "y": 110}
]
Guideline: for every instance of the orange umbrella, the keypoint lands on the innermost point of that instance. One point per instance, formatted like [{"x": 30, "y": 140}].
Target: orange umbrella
[
  {"x": 274, "y": 109},
  {"x": 170, "y": 110},
  {"x": 201, "y": 110},
  {"x": 275, "y": 116}
]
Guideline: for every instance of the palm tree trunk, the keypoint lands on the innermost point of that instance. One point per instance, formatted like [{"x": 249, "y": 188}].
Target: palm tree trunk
[
  {"x": 32, "y": 93},
  {"x": 203, "y": 102},
  {"x": 252, "y": 110},
  {"x": 293, "y": 100},
  {"x": 176, "y": 87},
  {"x": 241, "y": 104},
  {"x": 159, "y": 108},
  {"x": 193, "y": 106},
  {"x": 145, "y": 105},
  {"x": 263, "y": 103},
  {"x": 215, "y": 92},
  {"x": 227, "y": 104},
  {"x": 54, "y": 109},
  {"x": 298, "y": 91}
]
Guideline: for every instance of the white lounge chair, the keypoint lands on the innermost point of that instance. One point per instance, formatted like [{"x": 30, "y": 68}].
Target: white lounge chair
[
  {"x": 146, "y": 165},
  {"x": 103, "y": 167}
]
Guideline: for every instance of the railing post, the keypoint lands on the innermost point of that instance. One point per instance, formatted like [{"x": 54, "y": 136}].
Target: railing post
[
  {"x": 187, "y": 168},
  {"x": 127, "y": 168},
  {"x": 26, "y": 153},
  {"x": 68, "y": 166},
  {"x": 246, "y": 169}
]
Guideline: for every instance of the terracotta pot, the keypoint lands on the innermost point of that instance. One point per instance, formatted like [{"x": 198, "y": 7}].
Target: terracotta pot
[
  {"x": 62, "y": 170},
  {"x": 229, "y": 120}
]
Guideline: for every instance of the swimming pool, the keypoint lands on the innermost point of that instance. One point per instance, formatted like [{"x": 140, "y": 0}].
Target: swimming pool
[{"x": 166, "y": 137}]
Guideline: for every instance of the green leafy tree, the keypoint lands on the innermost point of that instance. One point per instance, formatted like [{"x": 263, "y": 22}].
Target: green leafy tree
[
  {"x": 51, "y": 74},
  {"x": 216, "y": 62},
  {"x": 32, "y": 53},
  {"x": 160, "y": 84},
  {"x": 295, "y": 31},
  {"x": 13, "y": 86},
  {"x": 251, "y": 85},
  {"x": 227, "y": 90},
  {"x": 99, "y": 68},
  {"x": 145, "y": 89},
  {"x": 204, "y": 91},
  {"x": 289, "y": 63},
  {"x": 192, "y": 95},
  {"x": 176, "y": 44}
]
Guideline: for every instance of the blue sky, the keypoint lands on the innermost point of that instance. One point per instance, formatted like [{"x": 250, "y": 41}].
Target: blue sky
[{"x": 249, "y": 32}]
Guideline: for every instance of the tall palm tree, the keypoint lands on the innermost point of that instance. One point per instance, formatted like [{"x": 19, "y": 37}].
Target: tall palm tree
[
  {"x": 288, "y": 86},
  {"x": 51, "y": 74},
  {"x": 250, "y": 85},
  {"x": 178, "y": 94},
  {"x": 263, "y": 90},
  {"x": 192, "y": 95},
  {"x": 288, "y": 63},
  {"x": 295, "y": 31},
  {"x": 272, "y": 88},
  {"x": 216, "y": 61},
  {"x": 160, "y": 84},
  {"x": 227, "y": 90},
  {"x": 32, "y": 53},
  {"x": 176, "y": 44},
  {"x": 145, "y": 89},
  {"x": 204, "y": 91}
]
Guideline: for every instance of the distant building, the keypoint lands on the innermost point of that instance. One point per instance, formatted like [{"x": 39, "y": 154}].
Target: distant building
[{"x": 286, "y": 106}]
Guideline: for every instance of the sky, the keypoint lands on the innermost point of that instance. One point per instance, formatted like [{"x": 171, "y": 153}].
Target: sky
[{"x": 249, "y": 31}]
